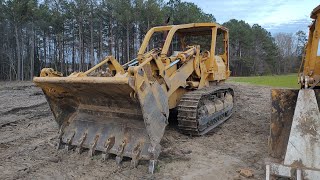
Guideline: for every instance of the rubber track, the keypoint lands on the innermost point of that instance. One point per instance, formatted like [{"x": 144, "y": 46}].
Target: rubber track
[{"x": 188, "y": 121}]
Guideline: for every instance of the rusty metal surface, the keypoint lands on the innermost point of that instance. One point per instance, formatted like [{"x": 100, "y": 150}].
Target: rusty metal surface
[{"x": 283, "y": 106}]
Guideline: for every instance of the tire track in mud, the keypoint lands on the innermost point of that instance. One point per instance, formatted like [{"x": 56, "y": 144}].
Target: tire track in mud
[
  {"x": 14, "y": 111},
  {"x": 24, "y": 129},
  {"x": 17, "y": 109},
  {"x": 24, "y": 121},
  {"x": 28, "y": 151}
]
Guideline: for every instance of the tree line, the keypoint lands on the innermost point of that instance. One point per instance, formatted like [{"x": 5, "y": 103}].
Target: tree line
[
  {"x": 254, "y": 51},
  {"x": 73, "y": 35}
]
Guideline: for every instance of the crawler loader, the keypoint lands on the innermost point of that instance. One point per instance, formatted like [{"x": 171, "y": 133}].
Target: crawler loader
[
  {"x": 122, "y": 110},
  {"x": 294, "y": 139}
]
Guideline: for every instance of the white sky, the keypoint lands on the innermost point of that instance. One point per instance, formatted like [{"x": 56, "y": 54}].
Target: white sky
[{"x": 274, "y": 15}]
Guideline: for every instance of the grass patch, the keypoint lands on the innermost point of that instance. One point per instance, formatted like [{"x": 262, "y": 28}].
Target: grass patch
[{"x": 287, "y": 81}]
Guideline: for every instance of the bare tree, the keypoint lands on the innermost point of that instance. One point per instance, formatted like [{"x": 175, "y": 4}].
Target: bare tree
[{"x": 287, "y": 46}]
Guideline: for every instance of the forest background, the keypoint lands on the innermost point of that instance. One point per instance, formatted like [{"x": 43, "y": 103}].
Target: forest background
[{"x": 73, "y": 35}]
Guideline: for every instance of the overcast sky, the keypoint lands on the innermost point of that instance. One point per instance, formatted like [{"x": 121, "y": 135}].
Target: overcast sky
[{"x": 274, "y": 15}]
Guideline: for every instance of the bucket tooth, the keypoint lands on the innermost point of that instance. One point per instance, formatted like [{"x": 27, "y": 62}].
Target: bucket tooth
[
  {"x": 103, "y": 107},
  {"x": 81, "y": 141},
  {"x": 120, "y": 152},
  {"x": 134, "y": 163},
  {"x": 59, "y": 144},
  {"x": 68, "y": 147},
  {"x": 136, "y": 155},
  {"x": 154, "y": 153},
  {"x": 61, "y": 132},
  {"x": 108, "y": 145},
  {"x": 152, "y": 165},
  {"x": 118, "y": 160},
  {"x": 93, "y": 146},
  {"x": 105, "y": 156},
  {"x": 69, "y": 141}
]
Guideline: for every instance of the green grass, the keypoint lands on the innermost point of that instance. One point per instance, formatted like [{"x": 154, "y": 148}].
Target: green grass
[{"x": 287, "y": 81}]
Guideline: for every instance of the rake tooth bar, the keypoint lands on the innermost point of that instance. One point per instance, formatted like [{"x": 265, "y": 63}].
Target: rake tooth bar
[
  {"x": 93, "y": 146},
  {"x": 108, "y": 145},
  {"x": 99, "y": 115},
  {"x": 120, "y": 151},
  {"x": 152, "y": 165},
  {"x": 136, "y": 155},
  {"x": 81, "y": 141},
  {"x": 69, "y": 140}
]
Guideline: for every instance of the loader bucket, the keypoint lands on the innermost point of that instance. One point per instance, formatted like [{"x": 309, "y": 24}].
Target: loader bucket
[
  {"x": 108, "y": 115},
  {"x": 284, "y": 103}
]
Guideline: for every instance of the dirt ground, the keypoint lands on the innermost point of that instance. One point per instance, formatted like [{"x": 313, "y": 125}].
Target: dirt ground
[{"x": 28, "y": 135}]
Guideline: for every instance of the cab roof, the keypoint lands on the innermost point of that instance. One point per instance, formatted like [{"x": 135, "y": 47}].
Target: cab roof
[{"x": 192, "y": 28}]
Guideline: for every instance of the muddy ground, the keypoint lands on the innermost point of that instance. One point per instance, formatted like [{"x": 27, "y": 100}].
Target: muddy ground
[{"x": 28, "y": 135}]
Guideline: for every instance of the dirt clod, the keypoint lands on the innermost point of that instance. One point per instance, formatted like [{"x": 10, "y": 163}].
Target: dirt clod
[
  {"x": 186, "y": 151},
  {"x": 248, "y": 173}
]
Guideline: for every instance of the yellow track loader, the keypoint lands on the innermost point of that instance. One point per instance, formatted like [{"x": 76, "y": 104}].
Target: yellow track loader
[
  {"x": 124, "y": 109},
  {"x": 295, "y": 119}
]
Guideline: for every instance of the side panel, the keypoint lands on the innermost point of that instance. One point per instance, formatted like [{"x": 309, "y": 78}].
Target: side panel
[{"x": 221, "y": 72}]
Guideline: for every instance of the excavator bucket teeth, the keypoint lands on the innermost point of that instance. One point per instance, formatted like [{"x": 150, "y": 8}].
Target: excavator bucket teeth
[
  {"x": 284, "y": 103},
  {"x": 108, "y": 115}
]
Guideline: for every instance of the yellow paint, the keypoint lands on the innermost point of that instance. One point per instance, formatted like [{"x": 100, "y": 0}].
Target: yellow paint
[
  {"x": 309, "y": 73},
  {"x": 194, "y": 69}
]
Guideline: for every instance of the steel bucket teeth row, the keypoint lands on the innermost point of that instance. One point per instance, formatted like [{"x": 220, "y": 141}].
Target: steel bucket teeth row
[
  {"x": 109, "y": 138},
  {"x": 124, "y": 116}
]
